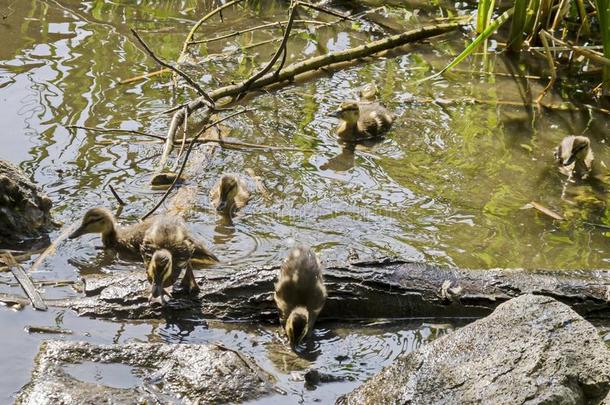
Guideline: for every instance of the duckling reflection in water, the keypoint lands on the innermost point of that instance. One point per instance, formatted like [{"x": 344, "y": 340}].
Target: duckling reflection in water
[
  {"x": 166, "y": 248},
  {"x": 575, "y": 157},
  {"x": 362, "y": 120},
  {"x": 300, "y": 293},
  {"x": 229, "y": 194}
]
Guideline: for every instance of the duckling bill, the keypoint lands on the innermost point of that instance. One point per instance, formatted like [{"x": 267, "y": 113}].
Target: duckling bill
[
  {"x": 300, "y": 293},
  {"x": 160, "y": 275}
]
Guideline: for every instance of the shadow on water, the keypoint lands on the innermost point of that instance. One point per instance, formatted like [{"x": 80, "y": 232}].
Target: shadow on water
[{"x": 447, "y": 185}]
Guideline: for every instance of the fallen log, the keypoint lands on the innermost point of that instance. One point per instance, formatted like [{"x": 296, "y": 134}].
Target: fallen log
[
  {"x": 385, "y": 288},
  {"x": 292, "y": 71}
]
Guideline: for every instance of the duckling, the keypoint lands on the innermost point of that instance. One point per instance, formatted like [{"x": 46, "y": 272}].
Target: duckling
[
  {"x": 368, "y": 93},
  {"x": 125, "y": 240},
  {"x": 299, "y": 293},
  {"x": 167, "y": 247},
  {"x": 362, "y": 120},
  {"x": 575, "y": 157},
  {"x": 229, "y": 194}
]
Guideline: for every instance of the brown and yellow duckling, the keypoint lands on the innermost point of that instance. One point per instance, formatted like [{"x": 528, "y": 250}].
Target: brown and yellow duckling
[
  {"x": 167, "y": 247},
  {"x": 229, "y": 194},
  {"x": 362, "y": 120},
  {"x": 125, "y": 240},
  {"x": 300, "y": 293},
  {"x": 575, "y": 157},
  {"x": 368, "y": 93}
]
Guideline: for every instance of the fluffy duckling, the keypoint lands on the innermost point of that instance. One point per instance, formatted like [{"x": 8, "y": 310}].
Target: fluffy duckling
[
  {"x": 166, "y": 248},
  {"x": 362, "y": 120},
  {"x": 368, "y": 93},
  {"x": 575, "y": 157},
  {"x": 299, "y": 293},
  {"x": 229, "y": 194},
  {"x": 126, "y": 240}
]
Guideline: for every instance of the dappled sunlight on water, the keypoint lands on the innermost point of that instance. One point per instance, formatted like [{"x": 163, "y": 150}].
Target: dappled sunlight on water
[{"x": 446, "y": 186}]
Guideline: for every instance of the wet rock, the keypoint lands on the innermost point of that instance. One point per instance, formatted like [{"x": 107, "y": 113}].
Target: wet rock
[
  {"x": 24, "y": 208},
  {"x": 161, "y": 373},
  {"x": 531, "y": 349}
]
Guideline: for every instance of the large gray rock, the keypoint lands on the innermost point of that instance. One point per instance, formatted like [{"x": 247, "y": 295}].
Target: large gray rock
[
  {"x": 531, "y": 349},
  {"x": 24, "y": 208},
  {"x": 69, "y": 373}
]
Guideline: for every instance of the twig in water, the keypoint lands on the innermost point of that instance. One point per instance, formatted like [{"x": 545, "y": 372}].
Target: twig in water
[
  {"x": 191, "y": 34},
  {"x": 145, "y": 76},
  {"x": 116, "y": 195},
  {"x": 47, "y": 329},
  {"x": 258, "y": 27},
  {"x": 281, "y": 49},
  {"x": 183, "y": 134},
  {"x": 186, "y": 77},
  {"x": 544, "y": 210},
  {"x": 325, "y": 10},
  {"x": 25, "y": 281},
  {"x": 550, "y": 62},
  {"x": 51, "y": 248},
  {"x": 186, "y": 157},
  {"x": 115, "y": 131}
]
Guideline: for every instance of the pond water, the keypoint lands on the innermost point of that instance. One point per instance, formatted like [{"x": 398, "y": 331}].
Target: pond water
[{"x": 447, "y": 186}]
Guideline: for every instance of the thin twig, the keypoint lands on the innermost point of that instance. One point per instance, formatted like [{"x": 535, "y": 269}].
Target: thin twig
[
  {"x": 278, "y": 53},
  {"x": 116, "y": 195},
  {"x": 325, "y": 10},
  {"x": 224, "y": 143},
  {"x": 191, "y": 34},
  {"x": 50, "y": 250},
  {"x": 186, "y": 157},
  {"x": 258, "y": 27},
  {"x": 550, "y": 62},
  {"x": 116, "y": 131},
  {"x": 186, "y": 77},
  {"x": 588, "y": 53},
  {"x": 145, "y": 76}
]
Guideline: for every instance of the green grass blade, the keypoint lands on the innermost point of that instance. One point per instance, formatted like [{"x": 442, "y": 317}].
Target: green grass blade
[
  {"x": 517, "y": 26},
  {"x": 491, "y": 28},
  {"x": 603, "y": 16},
  {"x": 484, "y": 13}
]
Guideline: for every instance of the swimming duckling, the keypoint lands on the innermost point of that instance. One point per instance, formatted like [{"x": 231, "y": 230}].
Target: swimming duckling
[
  {"x": 361, "y": 121},
  {"x": 575, "y": 157},
  {"x": 368, "y": 93},
  {"x": 299, "y": 293},
  {"x": 125, "y": 240},
  {"x": 229, "y": 194},
  {"x": 166, "y": 248}
]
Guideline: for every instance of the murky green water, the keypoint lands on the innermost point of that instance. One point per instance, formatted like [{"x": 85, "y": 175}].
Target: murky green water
[{"x": 447, "y": 186}]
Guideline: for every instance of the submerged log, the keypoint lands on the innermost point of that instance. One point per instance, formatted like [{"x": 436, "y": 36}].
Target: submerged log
[{"x": 374, "y": 289}]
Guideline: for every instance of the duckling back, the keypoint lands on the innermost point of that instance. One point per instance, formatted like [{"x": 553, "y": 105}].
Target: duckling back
[
  {"x": 374, "y": 119},
  {"x": 300, "y": 283},
  {"x": 171, "y": 233}
]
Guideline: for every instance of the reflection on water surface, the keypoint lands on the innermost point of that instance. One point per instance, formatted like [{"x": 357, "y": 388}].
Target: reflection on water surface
[{"x": 446, "y": 186}]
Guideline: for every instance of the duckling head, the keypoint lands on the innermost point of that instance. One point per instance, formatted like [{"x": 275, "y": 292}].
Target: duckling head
[
  {"x": 297, "y": 326},
  {"x": 159, "y": 273},
  {"x": 228, "y": 190},
  {"x": 96, "y": 220},
  {"x": 573, "y": 149},
  {"x": 348, "y": 111},
  {"x": 368, "y": 92}
]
